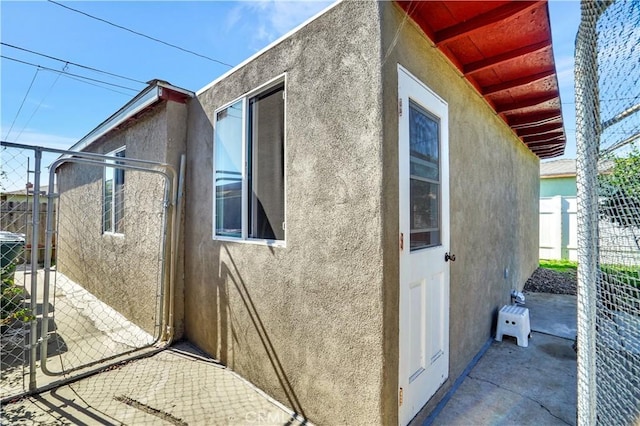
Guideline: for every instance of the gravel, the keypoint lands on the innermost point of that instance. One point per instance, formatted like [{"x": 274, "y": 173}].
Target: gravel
[{"x": 548, "y": 281}]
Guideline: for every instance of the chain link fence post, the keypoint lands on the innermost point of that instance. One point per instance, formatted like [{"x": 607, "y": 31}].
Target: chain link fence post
[
  {"x": 587, "y": 129},
  {"x": 607, "y": 86}
]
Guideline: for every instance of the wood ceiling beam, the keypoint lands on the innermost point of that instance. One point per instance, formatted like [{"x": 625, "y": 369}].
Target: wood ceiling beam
[
  {"x": 549, "y": 152},
  {"x": 518, "y": 82},
  {"x": 534, "y": 119},
  {"x": 555, "y": 136},
  {"x": 502, "y": 58},
  {"x": 539, "y": 130},
  {"x": 548, "y": 148},
  {"x": 558, "y": 138},
  {"x": 499, "y": 14},
  {"x": 525, "y": 103}
]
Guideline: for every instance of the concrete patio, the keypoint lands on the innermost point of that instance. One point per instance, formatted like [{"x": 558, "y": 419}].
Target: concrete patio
[
  {"x": 181, "y": 385},
  {"x": 513, "y": 385},
  {"x": 178, "y": 386}
]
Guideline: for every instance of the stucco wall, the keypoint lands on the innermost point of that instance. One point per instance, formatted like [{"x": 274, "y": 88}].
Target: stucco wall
[
  {"x": 122, "y": 270},
  {"x": 303, "y": 322},
  {"x": 494, "y": 191}
]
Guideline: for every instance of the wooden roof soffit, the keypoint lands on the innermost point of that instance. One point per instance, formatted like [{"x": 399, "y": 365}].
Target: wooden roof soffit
[{"x": 504, "y": 50}]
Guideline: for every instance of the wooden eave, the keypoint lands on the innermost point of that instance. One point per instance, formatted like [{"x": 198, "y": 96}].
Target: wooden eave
[{"x": 504, "y": 50}]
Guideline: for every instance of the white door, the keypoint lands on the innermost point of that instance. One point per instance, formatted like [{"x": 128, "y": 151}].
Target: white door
[{"x": 424, "y": 242}]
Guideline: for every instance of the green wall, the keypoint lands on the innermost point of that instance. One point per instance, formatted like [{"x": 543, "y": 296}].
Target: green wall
[{"x": 551, "y": 187}]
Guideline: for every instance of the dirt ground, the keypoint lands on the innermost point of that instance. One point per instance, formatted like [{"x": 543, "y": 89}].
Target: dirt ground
[{"x": 547, "y": 281}]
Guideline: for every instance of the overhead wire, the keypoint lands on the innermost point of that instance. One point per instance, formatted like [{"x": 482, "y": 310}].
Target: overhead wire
[
  {"x": 22, "y": 103},
  {"x": 68, "y": 73},
  {"x": 39, "y": 104},
  {"x": 72, "y": 63},
  {"x": 96, "y": 85},
  {"x": 141, "y": 34}
]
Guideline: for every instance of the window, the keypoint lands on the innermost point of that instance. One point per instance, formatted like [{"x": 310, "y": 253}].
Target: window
[
  {"x": 113, "y": 196},
  {"x": 424, "y": 142},
  {"x": 249, "y": 167}
]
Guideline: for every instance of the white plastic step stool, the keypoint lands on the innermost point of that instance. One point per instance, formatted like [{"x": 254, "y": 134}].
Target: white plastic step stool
[{"x": 514, "y": 321}]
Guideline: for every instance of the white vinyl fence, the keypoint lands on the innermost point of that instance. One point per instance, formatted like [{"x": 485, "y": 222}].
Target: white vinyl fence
[
  {"x": 559, "y": 234},
  {"x": 558, "y": 228}
]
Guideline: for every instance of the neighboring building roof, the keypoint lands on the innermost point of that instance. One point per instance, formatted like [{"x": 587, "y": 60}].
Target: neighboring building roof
[
  {"x": 21, "y": 192},
  {"x": 558, "y": 168},
  {"x": 504, "y": 50},
  {"x": 567, "y": 168},
  {"x": 156, "y": 91}
]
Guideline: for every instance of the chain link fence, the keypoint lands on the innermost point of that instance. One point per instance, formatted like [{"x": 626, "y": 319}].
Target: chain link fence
[
  {"x": 607, "y": 75},
  {"x": 18, "y": 220},
  {"x": 85, "y": 262}
]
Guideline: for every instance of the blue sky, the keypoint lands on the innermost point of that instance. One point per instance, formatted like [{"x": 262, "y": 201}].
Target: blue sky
[{"x": 58, "y": 110}]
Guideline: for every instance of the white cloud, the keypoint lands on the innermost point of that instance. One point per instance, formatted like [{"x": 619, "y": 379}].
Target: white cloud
[
  {"x": 233, "y": 17},
  {"x": 275, "y": 18}
]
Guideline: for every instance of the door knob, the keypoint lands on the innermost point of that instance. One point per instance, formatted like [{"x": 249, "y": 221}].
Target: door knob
[{"x": 448, "y": 257}]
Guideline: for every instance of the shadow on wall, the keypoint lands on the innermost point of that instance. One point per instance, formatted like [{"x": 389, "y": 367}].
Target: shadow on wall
[
  {"x": 229, "y": 273},
  {"x": 228, "y": 277}
]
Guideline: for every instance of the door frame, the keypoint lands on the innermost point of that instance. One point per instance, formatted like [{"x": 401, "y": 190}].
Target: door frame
[{"x": 408, "y": 404}]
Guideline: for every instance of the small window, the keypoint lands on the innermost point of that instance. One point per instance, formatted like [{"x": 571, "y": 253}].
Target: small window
[
  {"x": 113, "y": 196},
  {"x": 249, "y": 167},
  {"x": 424, "y": 194}
]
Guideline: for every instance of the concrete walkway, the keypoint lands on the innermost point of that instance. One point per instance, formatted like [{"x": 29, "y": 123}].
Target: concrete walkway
[
  {"x": 512, "y": 385},
  {"x": 178, "y": 386}
]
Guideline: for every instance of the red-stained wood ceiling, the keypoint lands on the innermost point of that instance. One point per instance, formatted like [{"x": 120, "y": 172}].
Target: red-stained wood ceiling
[{"x": 503, "y": 48}]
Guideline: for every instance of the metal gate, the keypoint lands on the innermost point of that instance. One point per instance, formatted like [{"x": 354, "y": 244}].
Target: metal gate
[{"x": 88, "y": 255}]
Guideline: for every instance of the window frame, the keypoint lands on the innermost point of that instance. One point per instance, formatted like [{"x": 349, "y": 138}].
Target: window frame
[
  {"x": 245, "y": 220},
  {"x": 112, "y": 210},
  {"x": 422, "y": 110}
]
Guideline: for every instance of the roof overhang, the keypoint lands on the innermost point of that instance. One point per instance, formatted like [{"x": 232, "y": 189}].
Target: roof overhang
[
  {"x": 155, "y": 92},
  {"x": 558, "y": 175},
  {"x": 504, "y": 50}
]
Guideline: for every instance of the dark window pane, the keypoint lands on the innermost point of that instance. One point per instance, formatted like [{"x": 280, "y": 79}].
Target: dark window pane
[
  {"x": 425, "y": 212},
  {"x": 424, "y": 146},
  {"x": 118, "y": 196},
  {"x": 108, "y": 200},
  {"x": 266, "y": 178}
]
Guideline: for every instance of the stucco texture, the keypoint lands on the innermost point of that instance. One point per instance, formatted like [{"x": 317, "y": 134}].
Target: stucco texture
[
  {"x": 123, "y": 271},
  {"x": 304, "y": 321},
  {"x": 493, "y": 196},
  {"x": 315, "y": 323}
]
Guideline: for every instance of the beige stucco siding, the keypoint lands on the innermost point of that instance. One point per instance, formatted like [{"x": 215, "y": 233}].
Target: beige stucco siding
[
  {"x": 123, "y": 271},
  {"x": 493, "y": 196},
  {"x": 303, "y": 322}
]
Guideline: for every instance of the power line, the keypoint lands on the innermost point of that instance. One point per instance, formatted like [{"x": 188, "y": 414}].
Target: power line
[
  {"x": 72, "y": 63},
  {"x": 141, "y": 34},
  {"x": 68, "y": 73},
  {"x": 22, "y": 103},
  {"x": 39, "y": 104},
  {"x": 96, "y": 85}
]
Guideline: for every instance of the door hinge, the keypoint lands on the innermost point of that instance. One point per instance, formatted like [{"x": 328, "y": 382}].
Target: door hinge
[
  {"x": 400, "y": 396},
  {"x": 401, "y": 241},
  {"x": 400, "y": 107}
]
